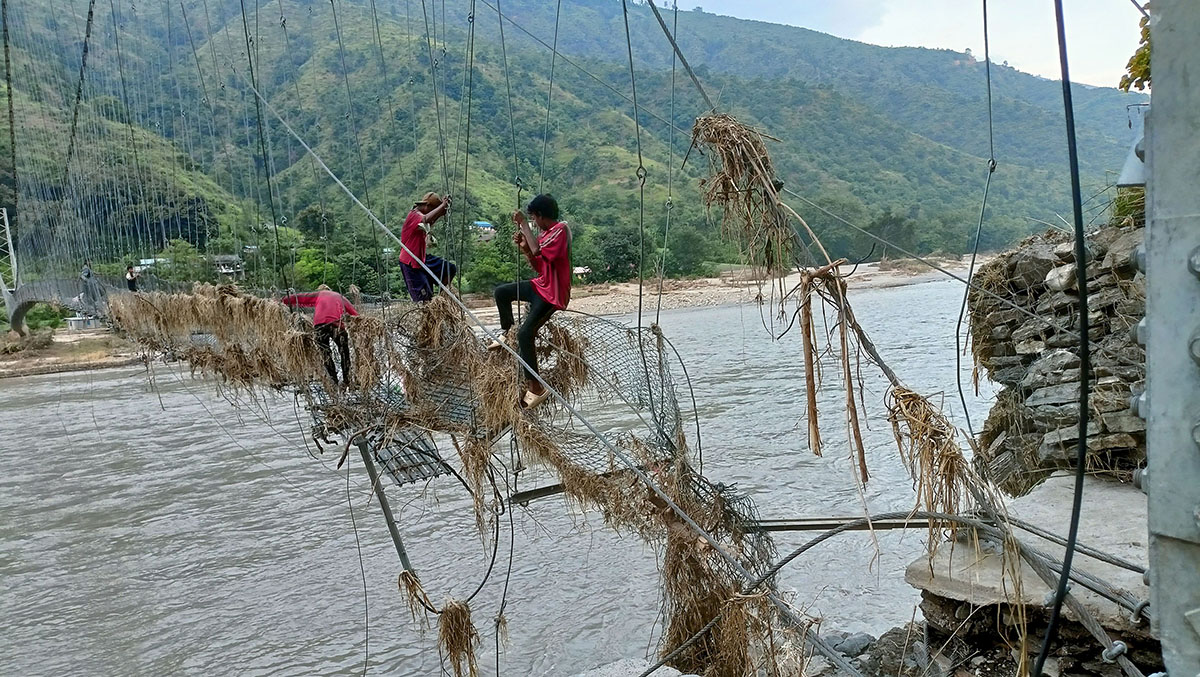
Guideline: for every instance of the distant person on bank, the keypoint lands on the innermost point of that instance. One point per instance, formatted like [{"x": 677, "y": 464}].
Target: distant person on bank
[
  {"x": 329, "y": 308},
  {"x": 131, "y": 278},
  {"x": 550, "y": 256},
  {"x": 416, "y": 235}
]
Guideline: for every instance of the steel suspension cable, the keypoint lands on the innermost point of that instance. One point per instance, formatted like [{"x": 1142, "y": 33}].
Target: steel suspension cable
[
  {"x": 436, "y": 101},
  {"x": 991, "y": 169},
  {"x": 262, "y": 143},
  {"x": 662, "y": 266},
  {"x": 362, "y": 170},
  {"x": 549, "y": 95},
  {"x": 641, "y": 177},
  {"x": 12, "y": 141},
  {"x": 785, "y": 609}
]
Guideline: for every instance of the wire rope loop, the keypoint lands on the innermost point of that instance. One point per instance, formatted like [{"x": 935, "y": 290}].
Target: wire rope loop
[
  {"x": 1111, "y": 654},
  {"x": 471, "y": 18},
  {"x": 641, "y": 174},
  {"x": 991, "y": 165},
  {"x": 1136, "y": 616},
  {"x": 670, "y": 204}
]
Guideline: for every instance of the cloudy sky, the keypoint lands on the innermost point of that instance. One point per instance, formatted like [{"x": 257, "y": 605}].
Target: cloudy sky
[{"x": 1101, "y": 34}]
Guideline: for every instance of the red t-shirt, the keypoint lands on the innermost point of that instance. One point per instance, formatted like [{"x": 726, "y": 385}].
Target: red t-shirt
[
  {"x": 553, "y": 264},
  {"x": 327, "y": 306},
  {"x": 412, "y": 237}
]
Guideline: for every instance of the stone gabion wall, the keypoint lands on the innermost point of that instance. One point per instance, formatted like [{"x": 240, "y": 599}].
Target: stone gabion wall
[{"x": 1033, "y": 427}]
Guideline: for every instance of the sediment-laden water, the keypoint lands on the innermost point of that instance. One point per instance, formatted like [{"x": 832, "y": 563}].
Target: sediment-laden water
[{"x": 150, "y": 527}]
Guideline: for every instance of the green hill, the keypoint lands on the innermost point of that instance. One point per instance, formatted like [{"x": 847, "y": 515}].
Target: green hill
[{"x": 879, "y": 135}]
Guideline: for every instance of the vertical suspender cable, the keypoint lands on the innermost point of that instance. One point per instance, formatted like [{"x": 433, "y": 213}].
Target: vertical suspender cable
[
  {"x": 262, "y": 140},
  {"x": 987, "y": 184},
  {"x": 1085, "y": 361},
  {"x": 549, "y": 95},
  {"x": 12, "y": 138},
  {"x": 641, "y": 177}
]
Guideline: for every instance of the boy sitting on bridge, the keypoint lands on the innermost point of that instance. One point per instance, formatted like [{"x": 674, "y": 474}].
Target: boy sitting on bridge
[{"x": 414, "y": 236}]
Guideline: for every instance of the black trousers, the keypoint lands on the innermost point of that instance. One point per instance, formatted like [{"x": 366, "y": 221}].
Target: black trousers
[
  {"x": 335, "y": 333},
  {"x": 540, "y": 310}
]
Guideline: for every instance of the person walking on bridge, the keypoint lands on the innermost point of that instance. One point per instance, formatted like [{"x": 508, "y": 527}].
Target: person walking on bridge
[
  {"x": 329, "y": 308},
  {"x": 550, "y": 256},
  {"x": 415, "y": 235}
]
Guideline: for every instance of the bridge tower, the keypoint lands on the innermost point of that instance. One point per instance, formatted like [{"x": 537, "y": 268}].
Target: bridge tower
[{"x": 1172, "y": 327}]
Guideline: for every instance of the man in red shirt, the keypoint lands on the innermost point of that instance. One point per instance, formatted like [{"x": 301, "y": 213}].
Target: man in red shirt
[
  {"x": 415, "y": 235},
  {"x": 328, "y": 309},
  {"x": 550, "y": 256}
]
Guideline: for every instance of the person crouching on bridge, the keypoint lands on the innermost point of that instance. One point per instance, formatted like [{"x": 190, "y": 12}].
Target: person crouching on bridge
[
  {"x": 329, "y": 307},
  {"x": 550, "y": 256},
  {"x": 415, "y": 235}
]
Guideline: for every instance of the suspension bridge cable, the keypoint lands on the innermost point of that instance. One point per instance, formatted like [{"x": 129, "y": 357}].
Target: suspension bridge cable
[
  {"x": 662, "y": 266},
  {"x": 362, "y": 170},
  {"x": 12, "y": 140},
  {"x": 682, "y": 59},
  {"x": 987, "y": 184},
  {"x": 363, "y": 571},
  {"x": 607, "y": 85},
  {"x": 550, "y": 94},
  {"x": 786, "y": 611},
  {"x": 1085, "y": 361},
  {"x": 87, "y": 37},
  {"x": 262, "y": 141},
  {"x": 641, "y": 177},
  {"x": 436, "y": 100}
]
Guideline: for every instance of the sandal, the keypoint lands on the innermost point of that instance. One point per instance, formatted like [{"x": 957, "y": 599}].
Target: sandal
[
  {"x": 498, "y": 343},
  {"x": 530, "y": 399}
]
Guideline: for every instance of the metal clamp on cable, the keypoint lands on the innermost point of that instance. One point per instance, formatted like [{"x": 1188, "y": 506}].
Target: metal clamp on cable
[
  {"x": 1136, "y": 616},
  {"x": 1113, "y": 652},
  {"x": 1048, "y": 600}
]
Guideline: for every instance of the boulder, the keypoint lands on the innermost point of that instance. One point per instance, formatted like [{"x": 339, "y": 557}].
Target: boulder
[
  {"x": 1061, "y": 278},
  {"x": 1120, "y": 252},
  {"x": 1065, "y": 393},
  {"x": 1048, "y": 369},
  {"x": 1059, "y": 445},
  {"x": 1030, "y": 347},
  {"x": 1122, "y": 422},
  {"x": 1031, "y": 329},
  {"x": 1030, "y": 265},
  {"x": 1103, "y": 239},
  {"x": 1056, "y": 301},
  {"x": 854, "y": 645},
  {"x": 1066, "y": 251}
]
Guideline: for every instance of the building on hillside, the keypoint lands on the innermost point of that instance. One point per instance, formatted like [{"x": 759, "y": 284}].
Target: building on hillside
[
  {"x": 484, "y": 231},
  {"x": 229, "y": 265}
]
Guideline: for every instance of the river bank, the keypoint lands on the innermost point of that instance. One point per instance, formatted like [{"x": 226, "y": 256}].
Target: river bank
[{"x": 62, "y": 351}]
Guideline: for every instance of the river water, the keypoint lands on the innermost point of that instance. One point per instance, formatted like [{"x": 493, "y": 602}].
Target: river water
[{"x": 151, "y": 527}]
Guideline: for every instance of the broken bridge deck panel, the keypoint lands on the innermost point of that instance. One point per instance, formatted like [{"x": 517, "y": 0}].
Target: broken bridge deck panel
[{"x": 1113, "y": 520}]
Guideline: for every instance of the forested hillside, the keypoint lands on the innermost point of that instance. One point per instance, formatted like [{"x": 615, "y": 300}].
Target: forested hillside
[{"x": 170, "y": 150}]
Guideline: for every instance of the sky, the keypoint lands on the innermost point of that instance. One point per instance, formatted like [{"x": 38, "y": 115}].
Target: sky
[{"x": 1101, "y": 34}]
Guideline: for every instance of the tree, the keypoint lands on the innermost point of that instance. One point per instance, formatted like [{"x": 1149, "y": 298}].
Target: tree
[
  {"x": 1137, "y": 73},
  {"x": 184, "y": 264}
]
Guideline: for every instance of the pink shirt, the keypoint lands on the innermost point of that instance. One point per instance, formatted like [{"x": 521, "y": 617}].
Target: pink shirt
[
  {"x": 412, "y": 237},
  {"x": 328, "y": 306},
  {"x": 553, "y": 264}
]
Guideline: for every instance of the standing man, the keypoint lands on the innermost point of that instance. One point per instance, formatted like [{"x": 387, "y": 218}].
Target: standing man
[
  {"x": 131, "y": 278},
  {"x": 415, "y": 235},
  {"x": 92, "y": 293},
  {"x": 329, "y": 307},
  {"x": 549, "y": 254}
]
